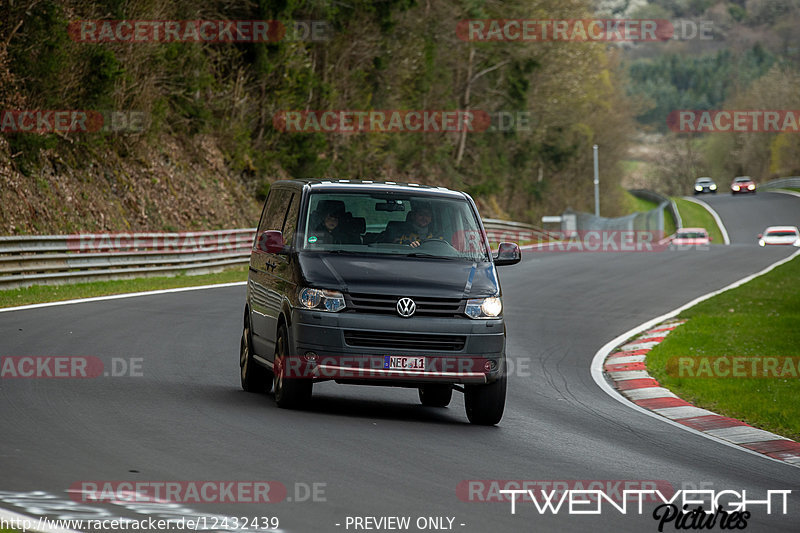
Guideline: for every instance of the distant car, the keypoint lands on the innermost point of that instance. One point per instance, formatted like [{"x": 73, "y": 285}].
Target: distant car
[
  {"x": 786, "y": 235},
  {"x": 705, "y": 185},
  {"x": 743, "y": 185},
  {"x": 690, "y": 237}
]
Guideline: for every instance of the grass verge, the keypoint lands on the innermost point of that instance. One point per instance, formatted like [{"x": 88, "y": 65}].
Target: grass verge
[
  {"x": 636, "y": 204},
  {"x": 55, "y": 293},
  {"x": 757, "y": 320},
  {"x": 696, "y": 216}
]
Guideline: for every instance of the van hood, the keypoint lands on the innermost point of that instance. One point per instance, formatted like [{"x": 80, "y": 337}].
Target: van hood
[{"x": 416, "y": 276}]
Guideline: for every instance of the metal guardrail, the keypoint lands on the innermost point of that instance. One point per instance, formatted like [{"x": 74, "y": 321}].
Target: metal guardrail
[
  {"x": 504, "y": 230},
  {"x": 792, "y": 181},
  {"x": 52, "y": 259},
  {"x": 55, "y": 259},
  {"x": 662, "y": 201}
]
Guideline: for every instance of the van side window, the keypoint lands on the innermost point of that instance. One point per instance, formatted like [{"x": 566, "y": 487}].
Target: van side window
[
  {"x": 291, "y": 220},
  {"x": 275, "y": 210}
]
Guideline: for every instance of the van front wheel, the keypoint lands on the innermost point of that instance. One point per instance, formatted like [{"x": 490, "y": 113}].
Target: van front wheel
[{"x": 485, "y": 403}]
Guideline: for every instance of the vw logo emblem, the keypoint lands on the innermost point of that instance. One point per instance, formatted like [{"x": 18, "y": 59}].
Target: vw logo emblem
[{"x": 406, "y": 307}]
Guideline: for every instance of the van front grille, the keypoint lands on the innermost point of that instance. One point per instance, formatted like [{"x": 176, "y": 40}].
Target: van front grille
[
  {"x": 426, "y": 306},
  {"x": 404, "y": 341}
]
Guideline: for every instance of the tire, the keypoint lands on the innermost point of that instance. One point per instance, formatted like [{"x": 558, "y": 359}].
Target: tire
[
  {"x": 290, "y": 393},
  {"x": 254, "y": 377},
  {"x": 485, "y": 403},
  {"x": 435, "y": 395}
]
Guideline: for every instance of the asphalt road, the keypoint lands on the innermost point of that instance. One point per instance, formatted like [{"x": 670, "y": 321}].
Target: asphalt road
[
  {"x": 376, "y": 451},
  {"x": 762, "y": 209}
]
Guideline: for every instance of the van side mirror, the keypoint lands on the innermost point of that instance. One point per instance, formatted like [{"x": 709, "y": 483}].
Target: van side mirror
[
  {"x": 507, "y": 254},
  {"x": 271, "y": 242}
]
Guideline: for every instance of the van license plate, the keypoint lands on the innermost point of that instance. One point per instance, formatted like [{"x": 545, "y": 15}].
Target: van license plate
[{"x": 392, "y": 362}]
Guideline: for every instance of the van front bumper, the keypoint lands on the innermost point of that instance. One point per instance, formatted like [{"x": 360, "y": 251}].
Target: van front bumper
[{"x": 362, "y": 348}]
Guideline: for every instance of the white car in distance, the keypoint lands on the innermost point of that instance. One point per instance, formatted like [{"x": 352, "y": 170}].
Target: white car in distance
[{"x": 785, "y": 235}]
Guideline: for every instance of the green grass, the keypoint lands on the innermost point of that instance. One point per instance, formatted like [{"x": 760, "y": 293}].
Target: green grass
[
  {"x": 696, "y": 216},
  {"x": 669, "y": 223},
  {"x": 635, "y": 204},
  {"x": 54, "y": 293},
  {"x": 755, "y": 320}
]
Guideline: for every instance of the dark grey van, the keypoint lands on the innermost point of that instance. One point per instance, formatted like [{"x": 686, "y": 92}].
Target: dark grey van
[{"x": 372, "y": 283}]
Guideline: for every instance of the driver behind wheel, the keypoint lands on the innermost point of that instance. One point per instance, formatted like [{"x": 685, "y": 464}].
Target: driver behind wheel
[{"x": 419, "y": 227}]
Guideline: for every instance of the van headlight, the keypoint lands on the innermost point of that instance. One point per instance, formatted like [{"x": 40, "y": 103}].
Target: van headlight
[
  {"x": 321, "y": 300},
  {"x": 484, "y": 307}
]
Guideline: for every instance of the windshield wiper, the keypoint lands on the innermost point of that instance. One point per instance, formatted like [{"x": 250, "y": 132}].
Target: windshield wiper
[{"x": 424, "y": 254}]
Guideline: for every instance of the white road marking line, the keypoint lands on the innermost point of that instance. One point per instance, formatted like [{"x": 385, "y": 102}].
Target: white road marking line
[{"x": 119, "y": 296}]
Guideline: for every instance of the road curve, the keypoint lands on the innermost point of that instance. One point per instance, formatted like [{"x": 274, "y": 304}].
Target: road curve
[{"x": 375, "y": 451}]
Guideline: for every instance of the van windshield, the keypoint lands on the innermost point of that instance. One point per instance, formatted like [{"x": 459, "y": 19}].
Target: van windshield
[{"x": 375, "y": 223}]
